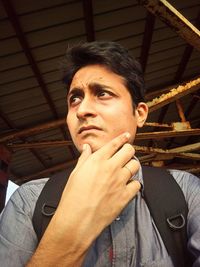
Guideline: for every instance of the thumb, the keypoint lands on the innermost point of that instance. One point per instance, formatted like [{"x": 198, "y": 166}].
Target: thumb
[{"x": 84, "y": 155}]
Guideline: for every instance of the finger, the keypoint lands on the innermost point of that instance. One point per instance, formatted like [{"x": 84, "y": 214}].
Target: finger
[
  {"x": 84, "y": 155},
  {"x": 132, "y": 189},
  {"x": 123, "y": 155},
  {"x": 129, "y": 170},
  {"x": 108, "y": 150}
]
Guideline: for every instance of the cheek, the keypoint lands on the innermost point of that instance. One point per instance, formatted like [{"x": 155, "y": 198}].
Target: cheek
[
  {"x": 70, "y": 124},
  {"x": 125, "y": 121}
]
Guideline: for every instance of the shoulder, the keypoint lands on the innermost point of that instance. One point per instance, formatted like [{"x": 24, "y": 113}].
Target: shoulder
[
  {"x": 17, "y": 235},
  {"x": 186, "y": 180},
  {"x": 25, "y": 197},
  {"x": 190, "y": 185}
]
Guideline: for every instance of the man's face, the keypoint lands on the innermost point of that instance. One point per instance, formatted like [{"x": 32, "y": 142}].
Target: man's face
[{"x": 99, "y": 107}]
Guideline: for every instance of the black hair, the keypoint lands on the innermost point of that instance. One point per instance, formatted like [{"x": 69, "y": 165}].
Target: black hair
[{"x": 111, "y": 55}]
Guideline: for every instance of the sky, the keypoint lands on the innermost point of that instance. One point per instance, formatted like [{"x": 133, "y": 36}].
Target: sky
[{"x": 10, "y": 190}]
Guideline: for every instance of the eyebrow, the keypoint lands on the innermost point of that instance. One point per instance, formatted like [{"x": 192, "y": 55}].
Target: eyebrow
[
  {"x": 91, "y": 86},
  {"x": 75, "y": 90}
]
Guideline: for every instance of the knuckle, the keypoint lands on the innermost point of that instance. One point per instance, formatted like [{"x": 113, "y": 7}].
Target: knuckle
[
  {"x": 129, "y": 148},
  {"x": 115, "y": 143}
]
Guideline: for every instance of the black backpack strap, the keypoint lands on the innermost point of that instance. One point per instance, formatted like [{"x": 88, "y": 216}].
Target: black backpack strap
[
  {"x": 162, "y": 194},
  {"x": 48, "y": 201},
  {"x": 168, "y": 207}
]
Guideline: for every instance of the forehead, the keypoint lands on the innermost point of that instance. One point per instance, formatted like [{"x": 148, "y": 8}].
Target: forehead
[{"x": 96, "y": 73}]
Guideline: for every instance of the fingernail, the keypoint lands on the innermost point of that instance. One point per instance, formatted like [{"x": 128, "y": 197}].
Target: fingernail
[
  {"x": 85, "y": 146},
  {"x": 127, "y": 135}
]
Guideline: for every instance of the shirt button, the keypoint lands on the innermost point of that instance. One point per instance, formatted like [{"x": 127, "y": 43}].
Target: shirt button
[{"x": 117, "y": 219}]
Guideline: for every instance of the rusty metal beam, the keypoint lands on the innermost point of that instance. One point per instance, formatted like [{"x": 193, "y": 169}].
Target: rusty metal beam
[
  {"x": 153, "y": 152},
  {"x": 158, "y": 125},
  {"x": 33, "y": 64},
  {"x": 167, "y": 134},
  {"x": 155, "y": 104},
  {"x": 40, "y": 144},
  {"x": 182, "y": 149},
  {"x": 88, "y": 17},
  {"x": 187, "y": 148},
  {"x": 158, "y": 154},
  {"x": 139, "y": 136},
  {"x": 186, "y": 55},
  {"x": 161, "y": 116},
  {"x": 193, "y": 103},
  {"x": 174, "y": 94},
  {"x": 192, "y": 139},
  {"x": 182, "y": 117},
  {"x": 144, "y": 149},
  {"x": 46, "y": 172},
  {"x": 180, "y": 110},
  {"x": 147, "y": 38},
  {"x": 192, "y": 168},
  {"x": 38, "y": 157},
  {"x": 33, "y": 130},
  {"x": 12, "y": 126},
  {"x": 191, "y": 156},
  {"x": 183, "y": 63},
  {"x": 195, "y": 169},
  {"x": 174, "y": 19},
  {"x": 5, "y": 119},
  {"x": 180, "y": 71}
]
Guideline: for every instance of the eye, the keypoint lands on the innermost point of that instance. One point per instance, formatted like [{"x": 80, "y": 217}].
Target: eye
[
  {"x": 104, "y": 94},
  {"x": 74, "y": 100}
]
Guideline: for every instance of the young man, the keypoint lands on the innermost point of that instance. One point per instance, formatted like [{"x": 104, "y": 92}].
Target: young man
[{"x": 102, "y": 218}]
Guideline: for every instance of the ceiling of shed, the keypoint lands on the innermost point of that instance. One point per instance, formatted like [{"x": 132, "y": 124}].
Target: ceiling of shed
[{"x": 34, "y": 36}]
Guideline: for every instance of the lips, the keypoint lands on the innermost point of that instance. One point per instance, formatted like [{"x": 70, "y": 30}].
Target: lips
[{"x": 87, "y": 128}]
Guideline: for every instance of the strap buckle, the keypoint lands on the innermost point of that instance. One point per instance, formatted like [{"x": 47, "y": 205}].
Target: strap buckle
[
  {"x": 176, "y": 222},
  {"x": 47, "y": 210}
]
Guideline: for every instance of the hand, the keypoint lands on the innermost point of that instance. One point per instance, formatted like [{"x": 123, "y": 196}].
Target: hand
[{"x": 99, "y": 188}]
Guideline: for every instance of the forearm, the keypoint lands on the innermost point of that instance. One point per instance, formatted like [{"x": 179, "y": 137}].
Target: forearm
[
  {"x": 48, "y": 255},
  {"x": 61, "y": 247}
]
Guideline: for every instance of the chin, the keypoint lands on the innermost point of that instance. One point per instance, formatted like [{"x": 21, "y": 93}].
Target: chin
[{"x": 93, "y": 145}]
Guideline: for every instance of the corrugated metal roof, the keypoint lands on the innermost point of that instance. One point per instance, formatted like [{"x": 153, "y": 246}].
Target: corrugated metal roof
[{"x": 34, "y": 36}]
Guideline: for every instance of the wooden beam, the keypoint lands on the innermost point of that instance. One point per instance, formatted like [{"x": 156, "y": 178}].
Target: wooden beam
[{"x": 174, "y": 19}]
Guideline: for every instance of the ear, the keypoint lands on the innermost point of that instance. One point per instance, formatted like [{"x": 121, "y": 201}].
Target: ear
[{"x": 141, "y": 113}]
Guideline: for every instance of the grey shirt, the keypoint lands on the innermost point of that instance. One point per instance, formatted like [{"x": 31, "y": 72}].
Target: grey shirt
[{"x": 131, "y": 240}]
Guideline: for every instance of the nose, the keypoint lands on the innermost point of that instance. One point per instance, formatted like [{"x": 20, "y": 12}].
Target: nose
[{"x": 86, "y": 108}]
